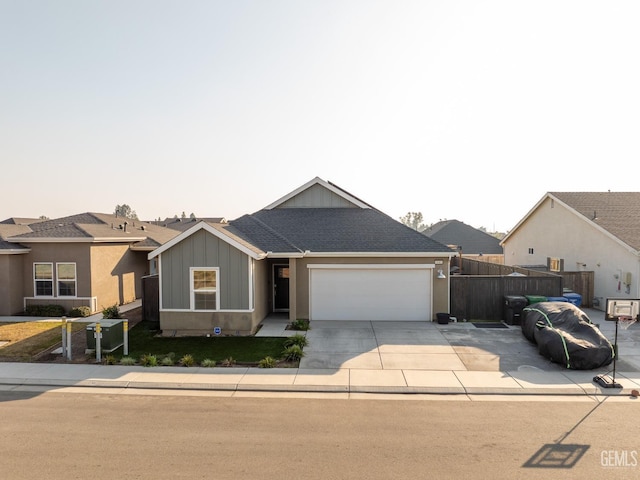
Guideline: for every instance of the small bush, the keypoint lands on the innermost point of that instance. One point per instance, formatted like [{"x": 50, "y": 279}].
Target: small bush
[
  {"x": 228, "y": 362},
  {"x": 81, "y": 311},
  {"x": 110, "y": 360},
  {"x": 297, "y": 339},
  {"x": 208, "y": 363},
  {"x": 127, "y": 361},
  {"x": 111, "y": 312},
  {"x": 167, "y": 361},
  {"x": 300, "y": 324},
  {"x": 187, "y": 360},
  {"x": 293, "y": 353},
  {"x": 44, "y": 310},
  {"x": 148, "y": 360},
  {"x": 267, "y": 362}
]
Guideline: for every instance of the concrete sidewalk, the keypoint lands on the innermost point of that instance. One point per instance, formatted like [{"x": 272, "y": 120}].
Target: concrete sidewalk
[
  {"x": 343, "y": 380},
  {"x": 461, "y": 374}
]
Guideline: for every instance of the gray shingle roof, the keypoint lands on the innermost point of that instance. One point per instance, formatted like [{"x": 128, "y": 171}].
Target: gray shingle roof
[
  {"x": 93, "y": 226},
  {"x": 472, "y": 240},
  {"x": 337, "y": 230},
  {"x": 616, "y": 212}
]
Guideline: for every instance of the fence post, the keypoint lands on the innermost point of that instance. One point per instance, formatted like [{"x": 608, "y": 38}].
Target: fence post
[
  {"x": 69, "y": 331},
  {"x": 125, "y": 328},
  {"x": 64, "y": 337},
  {"x": 98, "y": 335}
]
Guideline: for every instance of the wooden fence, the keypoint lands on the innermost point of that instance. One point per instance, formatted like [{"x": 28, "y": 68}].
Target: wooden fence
[{"x": 478, "y": 292}]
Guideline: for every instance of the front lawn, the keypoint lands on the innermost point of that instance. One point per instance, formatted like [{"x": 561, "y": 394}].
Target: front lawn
[
  {"x": 246, "y": 350},
  {"x": 26, "y": 340}
]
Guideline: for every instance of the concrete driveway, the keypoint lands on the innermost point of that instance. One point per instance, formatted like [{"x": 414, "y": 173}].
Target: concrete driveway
[{"x": 453, "y": 347}]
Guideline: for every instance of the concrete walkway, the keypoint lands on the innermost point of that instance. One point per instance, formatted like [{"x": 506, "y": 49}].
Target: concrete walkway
[{"x": 364, "y": 358}]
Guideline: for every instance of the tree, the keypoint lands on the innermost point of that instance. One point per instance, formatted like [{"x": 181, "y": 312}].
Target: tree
[
  {"x": 414, "y": 220},
  {"x": 125, "y": 211}
]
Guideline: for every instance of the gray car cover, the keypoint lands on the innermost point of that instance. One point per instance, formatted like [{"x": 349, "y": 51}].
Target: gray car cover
[{"x": 565, "y": 335}]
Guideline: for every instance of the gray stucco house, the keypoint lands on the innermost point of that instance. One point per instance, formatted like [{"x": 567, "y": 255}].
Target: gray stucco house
[{"x": 318, "y": 253}]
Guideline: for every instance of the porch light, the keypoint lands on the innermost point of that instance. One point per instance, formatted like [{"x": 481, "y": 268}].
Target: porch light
[{"x": 441, "y": 274}]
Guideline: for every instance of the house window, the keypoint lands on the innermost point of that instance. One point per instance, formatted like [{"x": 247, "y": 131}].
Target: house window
[
  {"x": 531, "y": 251},
  {"x": 66, "y": 273},
  {"x": 204, "y": 288},
  {"x": 554, "y": 264},
  {"x": 43, "y": 279}
]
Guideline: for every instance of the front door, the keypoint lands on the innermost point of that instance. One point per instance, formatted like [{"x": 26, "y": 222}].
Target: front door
[{"x": 281, "y": 288}]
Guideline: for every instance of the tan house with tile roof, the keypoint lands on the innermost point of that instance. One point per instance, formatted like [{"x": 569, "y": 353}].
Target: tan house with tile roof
[
  {"x": 583, "y": 231},
  {"x": 89, "y": 259}
]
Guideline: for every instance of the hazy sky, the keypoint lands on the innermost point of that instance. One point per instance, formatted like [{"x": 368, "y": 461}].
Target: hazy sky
[{"x": 467, "y": 110}]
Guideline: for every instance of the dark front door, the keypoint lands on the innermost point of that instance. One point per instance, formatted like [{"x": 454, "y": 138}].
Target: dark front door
[{"x": 281, "y": 288}]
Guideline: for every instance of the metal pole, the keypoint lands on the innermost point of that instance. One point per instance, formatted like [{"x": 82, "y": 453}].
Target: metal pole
[
  {"x": 64, "y": 337},
  {"x": 125, "y": 348},
  {"x": 98, "y": 335},
  {"x": 69, "y": 340}
]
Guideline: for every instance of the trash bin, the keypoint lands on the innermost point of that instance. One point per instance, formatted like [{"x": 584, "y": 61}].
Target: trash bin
[
  {"x": 112, "y": 335},
  {"x": 443, "y": 318},
  {"x": 531, "y": 299},
  {"x": 513, "y": 305},
  {"x": 574, "y": 298},
  {"x": 557, "y": 299}
]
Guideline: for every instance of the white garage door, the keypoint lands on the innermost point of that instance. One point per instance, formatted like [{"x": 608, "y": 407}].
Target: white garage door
[{"x": 401, "y": 293}]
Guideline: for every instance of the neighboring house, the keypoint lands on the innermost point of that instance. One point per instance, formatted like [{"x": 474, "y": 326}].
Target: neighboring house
[
  {"x": 90, "y": 259},
  {"x": 318, "y": 253},
  {"x": 583, "y": 231},
  {"x": 469, "y": 241},
  {"x": 183, "y": 224}
]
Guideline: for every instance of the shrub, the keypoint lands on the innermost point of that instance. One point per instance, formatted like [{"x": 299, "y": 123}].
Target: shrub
[
  {"x": 148, "y": 360},
  {"x": 267, "y": 362},
  {"x": 167, "y": 361},
  {"x": 293, "y": 353},
  {"x": 44, "y": 310},
  {"x": 187, "y": 360},
  {"x": 228, "y": 362},
  {"x": 110, "y": 360},
  {"x": 127, "y": 361},
  {"x": 297, "y": 339},
  {"x": 300, "y": 324},
  {"x": 208, "y": 363},
  {"x": 81, "y": 311},
  {"x": 111, "y": 312}
]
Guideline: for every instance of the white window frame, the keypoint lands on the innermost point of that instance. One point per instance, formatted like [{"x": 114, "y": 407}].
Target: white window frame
[
  {"x": 36, "y": 280},
  {"x": 192, "y": 291},
  {"x": 75, "y": 280}
]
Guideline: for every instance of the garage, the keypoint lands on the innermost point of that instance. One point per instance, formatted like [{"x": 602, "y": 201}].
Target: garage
[{"x": 370, "y": 292}]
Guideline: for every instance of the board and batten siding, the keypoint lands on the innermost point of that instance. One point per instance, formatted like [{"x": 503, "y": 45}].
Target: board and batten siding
[
  {"x": 205, "y": 250},
  {"x": 317, "y": 197}
]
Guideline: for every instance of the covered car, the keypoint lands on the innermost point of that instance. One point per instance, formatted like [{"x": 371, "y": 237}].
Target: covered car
[{"x": 565, "y": 335}]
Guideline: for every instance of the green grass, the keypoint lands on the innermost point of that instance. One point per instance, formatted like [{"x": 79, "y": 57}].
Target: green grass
[{"x": 143, "y": 341}]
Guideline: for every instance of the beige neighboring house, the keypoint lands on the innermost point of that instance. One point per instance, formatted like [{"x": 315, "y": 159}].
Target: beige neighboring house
[
  {"x": 583, "y": 231},
  {"x": 89, "y": 259},
  {"x": 317, "y": 253}
]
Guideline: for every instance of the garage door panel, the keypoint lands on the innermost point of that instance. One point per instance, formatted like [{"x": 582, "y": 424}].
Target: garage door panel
[{"x": 370, "y": 294}]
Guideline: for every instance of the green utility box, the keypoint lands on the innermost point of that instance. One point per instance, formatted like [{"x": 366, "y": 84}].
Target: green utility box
[{"x": 112, "y": 335}]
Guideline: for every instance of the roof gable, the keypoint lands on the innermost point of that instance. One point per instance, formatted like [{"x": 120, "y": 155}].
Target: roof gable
[
  {"x": 318, "y": 194},
  {"x": 615, "y": 213}
]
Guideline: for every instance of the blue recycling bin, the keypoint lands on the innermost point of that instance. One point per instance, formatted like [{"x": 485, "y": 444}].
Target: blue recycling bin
[{"x": 574, "y": 298}]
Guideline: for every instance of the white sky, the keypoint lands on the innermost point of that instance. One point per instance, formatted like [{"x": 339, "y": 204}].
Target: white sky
[{"x": 467, "y": 110}]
